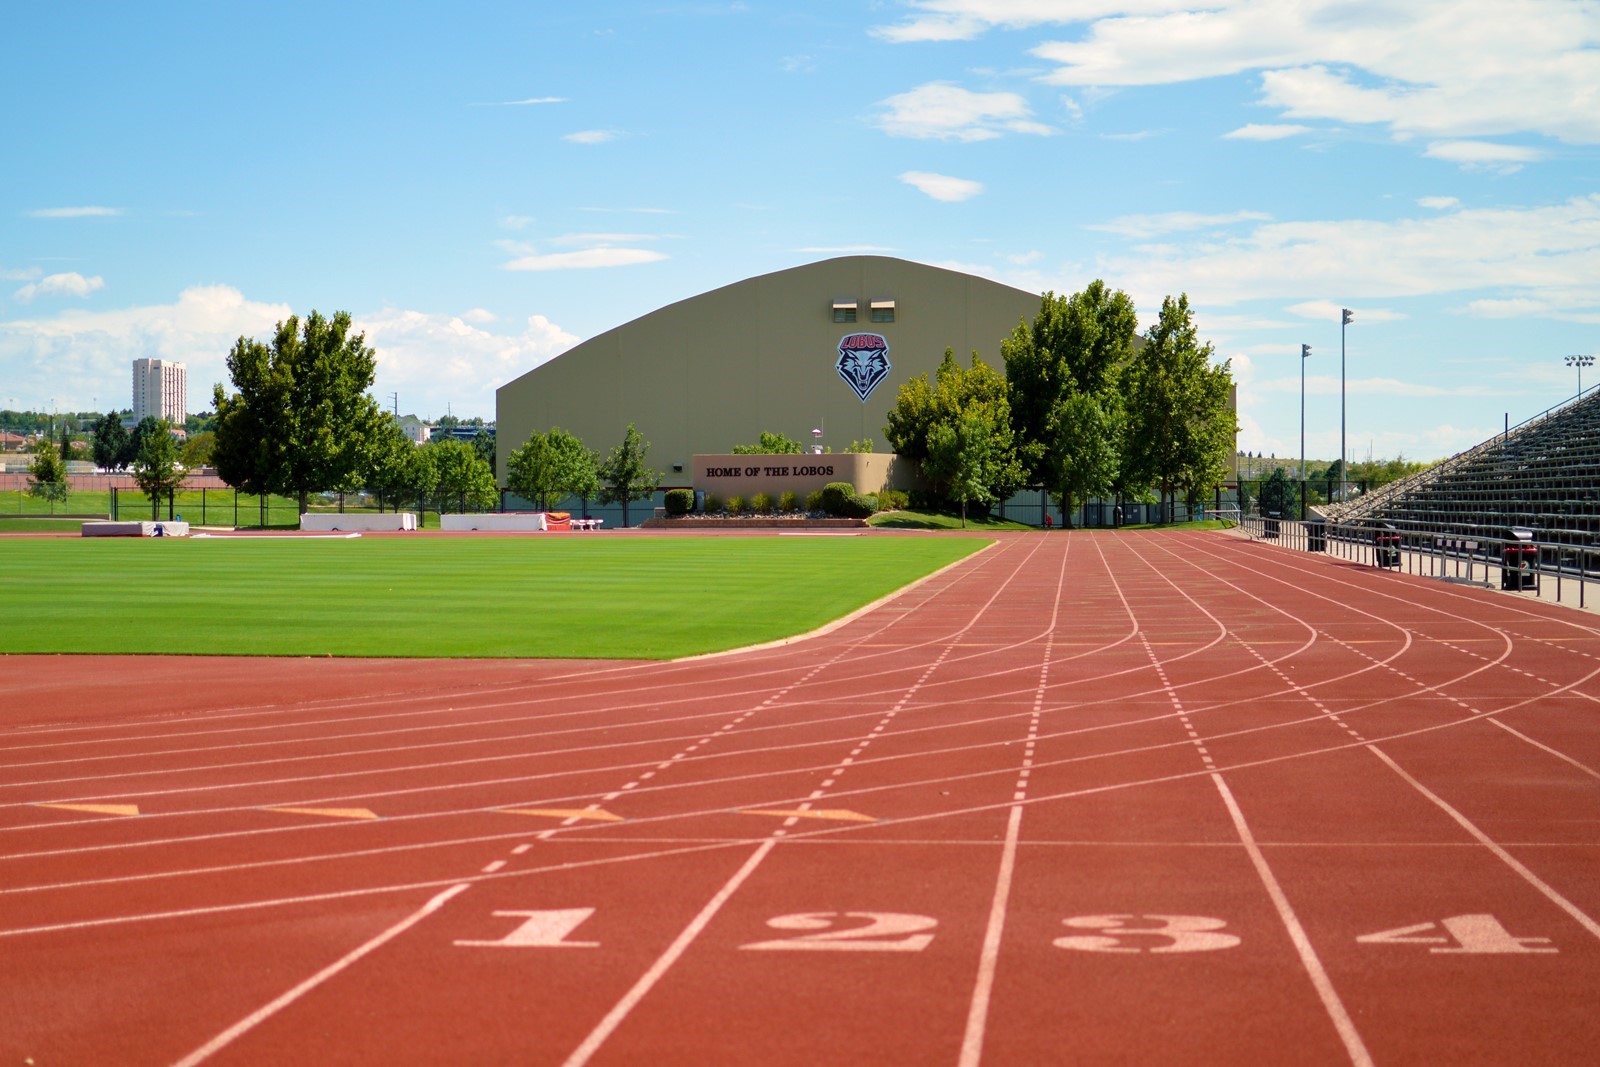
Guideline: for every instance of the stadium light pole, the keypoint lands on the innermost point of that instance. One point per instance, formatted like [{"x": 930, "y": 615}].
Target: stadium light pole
[
  {"x": 1305, "y": 354},
  {"x": 1580, "y": 362},
  {"x": 1344, "y": 475}
]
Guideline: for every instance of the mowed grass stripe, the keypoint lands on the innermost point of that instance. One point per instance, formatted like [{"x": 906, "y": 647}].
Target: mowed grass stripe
[{"x": 543, "y": 596}]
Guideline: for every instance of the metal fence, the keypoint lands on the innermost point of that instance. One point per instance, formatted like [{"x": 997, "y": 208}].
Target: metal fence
[{"x": 1557, "y": 571}]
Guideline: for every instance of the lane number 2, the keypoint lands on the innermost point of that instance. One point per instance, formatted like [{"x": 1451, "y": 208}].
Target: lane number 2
[{"x": 850, "y": 931}]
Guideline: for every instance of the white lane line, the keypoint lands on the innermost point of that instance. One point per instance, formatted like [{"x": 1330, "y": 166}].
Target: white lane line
[
  {"x": 978, "y": 1011},
  {"x": 259, "y": 1016},
  {"x": 1505, "y": 857},
  {"x": 642, "y": 987},
  {"x": 1590, "y": 771},
  {"x": 1335, "y": 1008}
]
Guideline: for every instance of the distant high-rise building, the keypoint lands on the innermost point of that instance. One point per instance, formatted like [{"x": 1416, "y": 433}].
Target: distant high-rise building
[{"x": 159, "y": 389}]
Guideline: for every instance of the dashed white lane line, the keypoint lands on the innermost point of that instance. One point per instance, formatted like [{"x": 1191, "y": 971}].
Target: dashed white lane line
[{"x": 1177, "y": 705}]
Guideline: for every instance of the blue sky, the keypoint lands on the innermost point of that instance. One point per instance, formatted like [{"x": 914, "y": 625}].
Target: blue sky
[{"x": 484, "y": 185}]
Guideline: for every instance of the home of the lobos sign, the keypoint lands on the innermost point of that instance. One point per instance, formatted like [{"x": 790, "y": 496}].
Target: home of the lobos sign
[{"x": 730, "y": 475}]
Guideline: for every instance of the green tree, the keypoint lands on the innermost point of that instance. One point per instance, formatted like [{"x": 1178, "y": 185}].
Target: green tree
[
  {"x": 110, "y": 443},
  {"x": 399, "y": 470},
  {"x": 1180, "y": 427},
  {"x": 1083, "y": 457},
  {"x": 196, "y": 451},
  {"x": 1062, "y": 371},
  {"x": 146, "y": 426},
  {"x": 69, "y": 451},
  {"x": 770, "y": 444},
  {"x": 484, "y": 445},
  {"x": 550, "y": 466},
  {"x": 155, "y": 468},
  {"x": 625, "y": 474},
  {"x": 48, "y": 472},
  {"x": 977, "y": 390},
  {"x": 962, "y": 454},
  {"x": 465, "y": 482},
  {"x": 301, "y": 421},
  {"x": 1277, "y": 496},
  {"x": 862, "y": 447}
]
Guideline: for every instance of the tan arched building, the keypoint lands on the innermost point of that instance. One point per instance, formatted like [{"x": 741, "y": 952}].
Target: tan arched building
[{"x": 821, "y": 346}]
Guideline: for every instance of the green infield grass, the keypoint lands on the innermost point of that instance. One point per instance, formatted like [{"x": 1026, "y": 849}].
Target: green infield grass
[
  {"x": 939, "y": 520},
  {"x": 570, "y": 596}
]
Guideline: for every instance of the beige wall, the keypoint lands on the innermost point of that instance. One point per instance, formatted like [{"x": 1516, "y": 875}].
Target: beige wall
[
  {"x": 706, "y": 374},
  {"x": 728, "y": 475}
]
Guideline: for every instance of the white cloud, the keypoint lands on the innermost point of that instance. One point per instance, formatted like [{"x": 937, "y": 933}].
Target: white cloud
[
  {"x": 1140, "y": 226},
  {"x": 1484, "y": 155},
  {"x": 433, "y": 360},
  {"x": 1256, "y": 131},
  {"x": 942, "y": 186},
  {"x": 430, "y": 359},
  {"x": 516, "y": 222},
  {"x": 603, "y": 238},
  {"x": 939, "y": 110},
  {"x": 1425, "y": 68},
  {"x": 586, "y": 259},
  {"x": 1328, "y": 311},
  {"x": 591, "y": 136},
  {"x": 24, "y": 274},
  {"x": 535, "y": 100},
  {"x": 79, "y": 356},
  {"x": 1438, "y": 203},
  {"x": 1549, "y": 253},
  {"x": 1515, "y": 308},
  {"x": 69, "y": 284},
  {"x": 479, "y": 316},
  {"x": 846, "y": 250},
  {"x": 72, "y": 212}
]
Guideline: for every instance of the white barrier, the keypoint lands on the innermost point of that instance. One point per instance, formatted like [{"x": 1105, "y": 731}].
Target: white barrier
[
  {"x": 136, "y": 529},
  {"x": 391, "y": 520},
  {"x": 509, "y": 520}
]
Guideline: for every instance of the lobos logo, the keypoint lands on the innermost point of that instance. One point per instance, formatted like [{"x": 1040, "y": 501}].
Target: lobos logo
[{"x": 863, "y": 362}]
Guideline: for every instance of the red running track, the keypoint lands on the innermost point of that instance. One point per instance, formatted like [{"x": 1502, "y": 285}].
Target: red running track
[{"x": 1136, "y": 798}]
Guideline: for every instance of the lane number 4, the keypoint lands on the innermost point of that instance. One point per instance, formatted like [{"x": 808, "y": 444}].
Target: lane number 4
[{"x": 1461, "y": 935}]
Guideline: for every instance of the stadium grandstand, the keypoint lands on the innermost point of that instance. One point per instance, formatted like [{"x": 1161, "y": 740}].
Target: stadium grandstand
[{"x": 1522, "y": 506}]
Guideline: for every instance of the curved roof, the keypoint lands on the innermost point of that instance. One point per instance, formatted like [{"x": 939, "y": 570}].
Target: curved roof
[{"x": 715, "y": 370}]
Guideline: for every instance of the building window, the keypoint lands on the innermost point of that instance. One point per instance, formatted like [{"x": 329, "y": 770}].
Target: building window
[
  {"x": 883, "y": 311},
  {"x": 844, "y": 311}
]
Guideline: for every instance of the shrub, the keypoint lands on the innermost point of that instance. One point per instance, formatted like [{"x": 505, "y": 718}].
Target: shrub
[
  {"x": 679, "y": 501},
  {"x": 713, "y": 503},
  {"x": 761, "y": 504},
  {"x": 857, "y": 506},
  {"x": 814, "y": 500},
  {"x": 893, "y": 500},
  {"x": 734, "y": 506},
  {"x": 834, "y": 495},
  {"x": 787, "y": 501}
]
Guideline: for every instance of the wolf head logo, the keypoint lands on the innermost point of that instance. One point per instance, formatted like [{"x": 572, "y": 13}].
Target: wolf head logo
[{"x": 863, "y": 362}]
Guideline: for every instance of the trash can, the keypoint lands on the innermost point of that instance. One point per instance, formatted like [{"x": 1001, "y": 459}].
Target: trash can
[
  {"x": 1386, "y": 542},
  {"x": 1269, "y": 525},
  {"x": 1316, "y": 536},
  {"x": 1519, "y": 561}
]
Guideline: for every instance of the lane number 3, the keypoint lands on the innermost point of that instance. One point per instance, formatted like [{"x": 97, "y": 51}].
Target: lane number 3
[{"x": 1155, "y": 934}]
